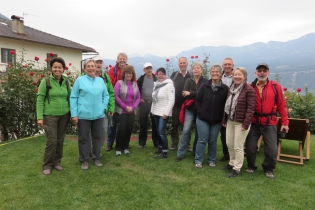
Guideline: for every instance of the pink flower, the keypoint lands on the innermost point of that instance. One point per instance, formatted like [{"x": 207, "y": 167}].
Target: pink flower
[
  {"x": 285, "y": 89},
  {"x": 42, "y": 76},
  {"x": 25, "y": 66},
  {"x": 204, "y": 61},
  {"x": 196, "y": 56},
  {"x": 192, "y": 57},
  {"x": 36, "y": 58},
  {"x": 31, "y": 73},
  {"x": 299, "y": 90},
  {"x": 66, "y": 68},
  {"x": 47, "y": 60},
  {"x": 68, "y": 73},
  {"x": 34, "y": 83},
  {"x": 51, "y": 54},
  {"x": 2, "y": 81},
  {"x": 36, "y": 90},
  {"x": 167, "y": 60},
  {"x": 12, "y": 52},
  {"x": 70, "y": 64}
]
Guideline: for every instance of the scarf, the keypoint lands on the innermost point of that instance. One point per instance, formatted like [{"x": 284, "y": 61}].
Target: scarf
[
  {"x": 158, "y": 86},
  {"x": 231, "y": 102}
]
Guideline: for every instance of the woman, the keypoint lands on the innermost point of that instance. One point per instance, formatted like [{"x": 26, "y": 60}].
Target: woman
[
  {"x": 239, "y": 110},
  {"x": 189, "y": 109},
  {"x": 52, "y": 108},
  {"x": 88, "y": 103},
  {"x": 209, "y": 103},
  {"x": 127, "y": 97},
  {"x": 163, "y": 98}
]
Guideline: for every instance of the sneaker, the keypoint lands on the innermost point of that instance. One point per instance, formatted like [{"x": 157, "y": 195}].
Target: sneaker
[
  {"x": 98, "y": 163},
  {"x": 178, "y": 159},
  {"x": 269, "y": 175},
  {"x": 161, "y": 155},
  {"x": 227, "y": 167},
  {"x": 126, "y": 152},
  {"x": 85, "y": 165},
  {"x": 158, "y": 151},
  {"x": 140, "y": 146},
  {"x": 223, "y": 159},
  {"x": 118, "y": 153},
  {"x": 198, "y": 165},
  {"x": 58, "y": 168},
  {"x": 173, "y": 148},
  {"x": 47, "y": 172},
  {"x": 250, "y": 171},
  {"x": 233, "y": 174},
  {"x": 108, "y": 148},
  {"x": 212, "y": 164}
]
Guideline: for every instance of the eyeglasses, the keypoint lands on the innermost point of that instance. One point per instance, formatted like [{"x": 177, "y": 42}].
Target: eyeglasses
[{"x": 262, "y": 70}]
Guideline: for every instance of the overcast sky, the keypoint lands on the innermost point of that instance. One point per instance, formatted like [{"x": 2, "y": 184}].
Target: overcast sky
[{"x": 166, "y": 27}]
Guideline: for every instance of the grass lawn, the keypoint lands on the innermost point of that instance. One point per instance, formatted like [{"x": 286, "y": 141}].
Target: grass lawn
[{"x": 139, "y": 181}]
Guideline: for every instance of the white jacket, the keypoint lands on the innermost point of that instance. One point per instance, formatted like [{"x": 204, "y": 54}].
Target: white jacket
[{"x": 163, "y": 98}]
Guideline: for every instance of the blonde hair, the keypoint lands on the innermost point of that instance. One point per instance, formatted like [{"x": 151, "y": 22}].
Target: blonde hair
[
  {"x": 242, "y": 70},
  {"x": 197, "y": 64}
]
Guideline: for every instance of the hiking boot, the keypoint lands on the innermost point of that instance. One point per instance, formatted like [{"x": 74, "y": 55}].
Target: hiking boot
[
  {"x": 250, "y": 171},
  {"x": 212, "y": 164},
  {"x": 161, "y": 155},
  {"x": 223, "y": 159},
  {"x": 198, "y": 165},
  {"x": 98, "y": 163},
  {"x": 269, "y": 175},
  {"x": 227, "y": 167},
  {"x": 158, "y": 151},
  {"x": 233, "y": 174},
  {"x": 108, "y": 148},
  {"x": 85, "y": 165},
  {"x": 178, "y": 159}
]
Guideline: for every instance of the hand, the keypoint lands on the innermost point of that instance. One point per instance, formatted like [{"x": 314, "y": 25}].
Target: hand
[
  {"x": 224, "y": 125},
  {"x": 110, "y": 114},
  {"x": 285, "y": 127},
  {"x": 186, "y": 93},
  {"x": 243, "y": 129},
  {"x": 164, "y": 116},
  {"x": 40, "y": 123},
  {"x": 75, "y": 120},
  {"x": 141, "y": 101},
  {"x": 129, "y": 109}
]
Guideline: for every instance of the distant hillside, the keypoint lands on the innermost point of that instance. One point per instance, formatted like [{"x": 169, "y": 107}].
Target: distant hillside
[
  {"x": 3, "y": 17},
  {"x": 293, "y": 60}
]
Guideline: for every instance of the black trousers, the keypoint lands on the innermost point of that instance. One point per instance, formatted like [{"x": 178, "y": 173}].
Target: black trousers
[
  {"x": 223, "y": 141},
  {"x": 144, "y": 113},
  {"x": 124, "y": 128}
]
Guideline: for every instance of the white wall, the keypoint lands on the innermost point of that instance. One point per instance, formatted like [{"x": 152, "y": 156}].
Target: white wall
[{"x": 34, "y": 49}]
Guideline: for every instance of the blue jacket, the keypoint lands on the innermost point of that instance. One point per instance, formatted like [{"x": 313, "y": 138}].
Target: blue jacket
[{"x": 89, "y": 98}]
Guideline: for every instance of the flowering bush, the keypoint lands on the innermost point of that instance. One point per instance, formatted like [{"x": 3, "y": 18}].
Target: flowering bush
[{"x": 301, "y": 105}]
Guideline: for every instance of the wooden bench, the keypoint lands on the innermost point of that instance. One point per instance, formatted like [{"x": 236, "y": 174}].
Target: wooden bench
[{"x": 298, "y": 131}]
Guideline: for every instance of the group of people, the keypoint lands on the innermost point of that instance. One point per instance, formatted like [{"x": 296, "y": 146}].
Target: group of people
[{"x": 103, "y": 103}]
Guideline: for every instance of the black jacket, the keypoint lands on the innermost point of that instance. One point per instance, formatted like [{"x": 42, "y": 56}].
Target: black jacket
[
  {"x": 192, "y": 87},
  {"x": 140, "y": 81},
  {"x": 210, "y": 104},
  {"x": 179, "y": 82}
]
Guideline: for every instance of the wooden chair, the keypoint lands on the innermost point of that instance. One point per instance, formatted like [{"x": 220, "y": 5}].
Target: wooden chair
[{"x": 298, "y": 131}]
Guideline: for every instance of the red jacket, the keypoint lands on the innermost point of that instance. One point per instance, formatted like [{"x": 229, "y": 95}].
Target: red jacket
[
  {"x": 114, "y": 77},
  {"x": 266, "y": 105}
]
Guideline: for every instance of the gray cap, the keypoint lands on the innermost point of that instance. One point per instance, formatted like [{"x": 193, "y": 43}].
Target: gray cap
[{"x": 262, "y": 65}]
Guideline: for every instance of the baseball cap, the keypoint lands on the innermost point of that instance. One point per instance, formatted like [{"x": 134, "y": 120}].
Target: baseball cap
[
  {"x": 262, "y": 65},
  {"x": 147, "y": 65},
  {"x": 97, "y": 58}
]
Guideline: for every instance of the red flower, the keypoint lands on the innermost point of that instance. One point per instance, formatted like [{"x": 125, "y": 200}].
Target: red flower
[
  {"x": 36, "y": 58},
  {"x": 66, "y": 67},
  {"x": 47, "y": 60},
  {"x": 12, "y": 52},
  {"x": 68, "y": 73},
  {"x": 70, "y": 64},
  {"x": 299, "y": 90},
  {"x": 36, "y": 90},
  {"x": 22, "y": 75},
  {"x": 2, "y": 81},
  {"x": 167, "y": 60},
  {"x": 196, "y": 56},
  {"x": 285, "y": 89},
  {"x": 204, "y": 61},
  {"x": 31, "y": 73},
  {"x": 192, "y": 57},
  {"x": 51, "y": 54},
  {"x": 106, "y": 67},
  {"x": 34, "y": 83},
  {"x": 49, "y": 73},
  {"x": 42, "y": 75},
  {"x": 25, "y": 66}
]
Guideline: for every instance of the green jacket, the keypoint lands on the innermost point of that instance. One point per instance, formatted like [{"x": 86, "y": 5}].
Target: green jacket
[
  {"x": 58, "y": 98},
  {"x": 111, "y": 104}
]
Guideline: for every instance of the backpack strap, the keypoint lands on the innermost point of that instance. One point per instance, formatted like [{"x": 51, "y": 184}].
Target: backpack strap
[{"x": 48, "y": 87}]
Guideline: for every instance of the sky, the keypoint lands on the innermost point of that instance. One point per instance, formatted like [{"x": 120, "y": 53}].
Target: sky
[{"x": 166, "y": 27}]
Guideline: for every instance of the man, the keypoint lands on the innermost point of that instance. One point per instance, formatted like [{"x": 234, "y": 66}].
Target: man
[
  {"x": 227, "y": 79},
  {"x": 146, "y": 84},
  {"x": 269, "y": 101},
  {"x": 111, "y": 104},
  {"x": 115, "y": 75},
  {"x": 179, "y": 78}
]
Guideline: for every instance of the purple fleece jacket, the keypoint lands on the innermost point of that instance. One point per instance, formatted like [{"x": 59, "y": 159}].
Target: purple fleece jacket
[{"x": 129, "y": 98}]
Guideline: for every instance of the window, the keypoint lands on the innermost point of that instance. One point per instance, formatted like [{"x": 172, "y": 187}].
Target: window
[
  {"x": 49, "y": 57},
  {"x": 7, "y": 57}
]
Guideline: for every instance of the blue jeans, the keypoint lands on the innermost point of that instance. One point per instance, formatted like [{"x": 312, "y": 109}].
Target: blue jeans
[
  {"x": 161, "y": 130},
  {"x": 190, "y": 118},
  {"x": 207, "y": 134},
  {"x": 111, "y": 132}
]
